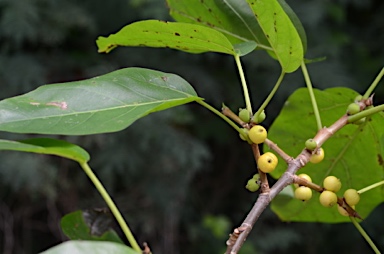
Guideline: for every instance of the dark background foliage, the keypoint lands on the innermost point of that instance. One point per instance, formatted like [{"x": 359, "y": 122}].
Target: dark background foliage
[{"x": 179, "y": 175}]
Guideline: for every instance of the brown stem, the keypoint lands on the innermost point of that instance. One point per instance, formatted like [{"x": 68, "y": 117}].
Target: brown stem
[
  {"x": 303, "y": 182},
  {"x": 278, "y": 150},
  {"x": 229, "y": 113}
]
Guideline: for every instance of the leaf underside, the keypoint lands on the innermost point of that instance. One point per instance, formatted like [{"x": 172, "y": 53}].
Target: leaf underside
[
  {"x": 102, "y": 104},
  {"x": 351, "y": 154},
  {"x": 81, "y": 247}
]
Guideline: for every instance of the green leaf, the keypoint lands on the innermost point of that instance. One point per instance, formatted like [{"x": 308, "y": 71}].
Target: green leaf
[
  {"x": 245, "y": 48},
  {"x": 75, "y": 227},
  {"x": 280, "y": 32},
  {"x": 102, "y": 104},
  {"x": 353, "y": 154},
  {"x": 47, "y": 146},
  {"x": 81, "y": 247},
  {"x": 161, "y": 34},
  {"x": 233, "y": 18}
]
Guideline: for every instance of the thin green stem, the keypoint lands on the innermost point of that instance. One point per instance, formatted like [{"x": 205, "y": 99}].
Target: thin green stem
[
  {"x": 365, "y": 235},
  {"x": 206, "y": 105},
  {"x": 270, "y": 96},
  {"x": 370, "y": 187},
  {"x": 312, "y": 95},
  {"x": 365, "y": 113},
  {"x": 374, "y": 84},
  {"x": 115, "y": 211},
  {"x": 244, "y": 84}
]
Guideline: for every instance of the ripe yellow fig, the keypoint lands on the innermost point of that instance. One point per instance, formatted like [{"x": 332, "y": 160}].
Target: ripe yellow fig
[
  {"x": 318, "y": 156},
  {"x": 257, "y": 134},
  {"x": 303, "y": 193},
  {"x": 328, "y": 198},
  {"x": 267, "y": 162},
  {"x": 352, "y": 197},
  {"x": 332, "y": 183}
]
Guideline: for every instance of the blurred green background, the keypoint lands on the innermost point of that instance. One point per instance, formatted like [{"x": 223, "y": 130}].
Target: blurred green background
[{"x": 179, "y": 175}]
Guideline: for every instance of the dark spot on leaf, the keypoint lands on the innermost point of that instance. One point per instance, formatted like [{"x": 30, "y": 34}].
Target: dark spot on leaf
[
  {"x": 159, "y": 40},
  {"x": 164, "y": 78},
  {"x": 191, "y": 37},
  {"x": 370, "y": 120},
  {"x": 198, "y": 19},
  {"x": 177, "y": 34},
  {"x": 209, "y": 9},
  {"x": 145, "y": 31},
  {"x": 209, "y": 24},
  {"x": 195, "y": 30},
  {"x": 267, "y": 35},
  {"x": 380, "y": 159},
  {"x": 163, "y": 21}
]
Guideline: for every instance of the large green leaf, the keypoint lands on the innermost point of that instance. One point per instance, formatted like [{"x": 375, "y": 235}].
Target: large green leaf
[
  {"x": 160, "y": 34},
  {"x": 280, "y": 32},
  {"x": 233, "y": 18},
  {"x": 354, "y": 154},
  {"x": 75, "y": 227},
  {"x": 102, "y": 104},
  {"x": 47, "y": 146},
  {"x": 81, "y": 247}
]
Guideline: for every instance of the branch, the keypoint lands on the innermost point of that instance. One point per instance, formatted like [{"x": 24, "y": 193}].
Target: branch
[{"x": 234, "y": 245}]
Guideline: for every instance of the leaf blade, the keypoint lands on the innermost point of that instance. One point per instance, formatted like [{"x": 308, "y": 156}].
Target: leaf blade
[
  {"x": 280, "y": 32},
  {"x": 47, "y": 146},
  {"x": 107, "y": 103},
  {"x": 155, "y": 33}
]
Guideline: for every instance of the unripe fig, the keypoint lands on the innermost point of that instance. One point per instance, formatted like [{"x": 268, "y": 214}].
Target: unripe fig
[
  {"x": 306, "y": 177},
  {"x": 260, "y": 119},
  {"x": 303, "y": 193},
  {"x": 244, "y": 134},
  {"x": 310, "y": 144},
  {"x": 267, "y": 162},
  {"x": 256, "y": 177},
  {"x": 257, "y": 134},
  {"x": 332, "y": 183},
  {"x": 352, "y": 197},
  {"x": 318, "y": 156},
  {"x": 353, "y": 108},
  {"x": 342, "y": 211},
  {"x": 252, "y": 185},
  {"x": 328, "y": 198},
  {"x": 244, "y": 115}
]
